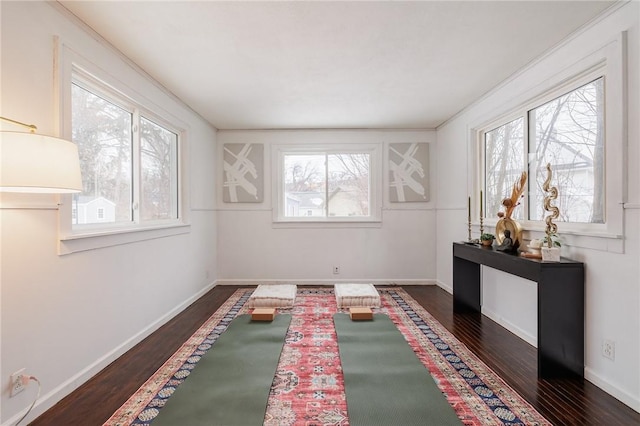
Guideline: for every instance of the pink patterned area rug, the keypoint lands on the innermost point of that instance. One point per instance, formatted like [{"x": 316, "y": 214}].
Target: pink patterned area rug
[{"x": 308, "y": 388}]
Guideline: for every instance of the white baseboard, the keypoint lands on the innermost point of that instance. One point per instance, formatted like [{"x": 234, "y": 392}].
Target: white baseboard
[
  {"x": 243, "y": 281},
  {"x": 445, "y": 287},
  {"x": 51, "y": 398},
  {"x": 527, "y": 337},
  {"x": 626, "y": 398}
]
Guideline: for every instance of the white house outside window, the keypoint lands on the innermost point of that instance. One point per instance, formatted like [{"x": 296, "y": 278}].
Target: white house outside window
[
  {"x": 327, "y": 185},
  {"x": 129, "y": 161}
]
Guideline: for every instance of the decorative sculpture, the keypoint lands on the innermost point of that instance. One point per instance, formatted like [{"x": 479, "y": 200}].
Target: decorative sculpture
[
  {"x": 513, "y": 201},
  {"x": 552, "y": 191},
  {"x": 507, "y": 245},
  {"x": 550, "y": 253},
  {"x": 505, "y": 222}
]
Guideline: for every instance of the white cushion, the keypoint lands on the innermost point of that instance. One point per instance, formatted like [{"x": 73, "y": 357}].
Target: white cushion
[
  {"x": 348, "y": 295},
  {"x": 273, "y": 296}
]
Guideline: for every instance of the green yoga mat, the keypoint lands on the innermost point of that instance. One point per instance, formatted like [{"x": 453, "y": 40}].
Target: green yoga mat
[
  {"x": 385, "y": 382},
  {"x": 230, "y": 384}
]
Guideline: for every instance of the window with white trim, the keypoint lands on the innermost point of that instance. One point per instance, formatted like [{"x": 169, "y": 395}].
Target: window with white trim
[
  {"x": 327, "y": 184},
  {"x": 128, "y": 159},
  {"x": 567, "y": 130}
]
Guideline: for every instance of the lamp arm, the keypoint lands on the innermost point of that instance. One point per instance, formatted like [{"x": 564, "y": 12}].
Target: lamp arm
[{"x": 31, "y": 127}]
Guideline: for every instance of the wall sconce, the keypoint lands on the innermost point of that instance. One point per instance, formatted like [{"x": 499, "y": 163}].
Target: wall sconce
[{"x": 35, "y": 163}]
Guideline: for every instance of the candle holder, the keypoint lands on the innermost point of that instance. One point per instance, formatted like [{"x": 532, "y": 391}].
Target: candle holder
[
  {"x": 481, "y": 218},
  {"x": 469, "y": 241}
]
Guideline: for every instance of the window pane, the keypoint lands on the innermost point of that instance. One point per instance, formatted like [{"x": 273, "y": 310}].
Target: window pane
[
  {"x": 504, "y": 163},
  {"x": 158, "y": 169},
  {"x": 304, "y": 185},
  {"x": 348, "y": 185},
  {"x": 568, "y": 132},
  {"x": 102, "y": 131}
]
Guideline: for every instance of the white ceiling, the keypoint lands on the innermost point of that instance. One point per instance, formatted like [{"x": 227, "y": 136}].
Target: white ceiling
[{"x": 285, "y": 65}]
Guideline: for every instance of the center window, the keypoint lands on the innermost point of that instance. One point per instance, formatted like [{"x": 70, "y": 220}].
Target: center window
[{"x": 328, "y": 185}]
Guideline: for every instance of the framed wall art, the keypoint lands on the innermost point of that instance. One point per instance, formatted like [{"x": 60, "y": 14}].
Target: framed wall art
[
  {"x": 408, "y": 172},
  {"x": 243, "y": 173}
]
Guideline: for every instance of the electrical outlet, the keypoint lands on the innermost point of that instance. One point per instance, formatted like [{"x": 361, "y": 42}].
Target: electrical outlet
[
  {"x": 609, "y": 349},
  {"x": 336, "y": 269},
  {"x": 18, "y": 384}
]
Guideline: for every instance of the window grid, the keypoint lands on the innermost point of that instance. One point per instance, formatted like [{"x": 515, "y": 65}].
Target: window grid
[
  {"x": 329, "y": 184},
  {"x": 324, "y": 184},
  {"x": 150, "y": 167},
  {"x": 534, "y": 163}
]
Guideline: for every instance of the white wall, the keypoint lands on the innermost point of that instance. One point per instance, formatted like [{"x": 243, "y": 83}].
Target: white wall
[
  {"x": 512, "y": 302},
  {"x": 612, "y": 274},
  {"x": 64, "y": 318},
  {"x": 252, "y": 249}
]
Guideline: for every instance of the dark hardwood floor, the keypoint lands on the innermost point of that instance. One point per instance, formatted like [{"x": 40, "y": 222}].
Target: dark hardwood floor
[{"x": 562, "y": 401}]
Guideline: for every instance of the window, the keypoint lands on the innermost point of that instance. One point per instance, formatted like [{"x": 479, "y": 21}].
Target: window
[
  {"x": 103, "y": 132},
  {"x": 566, "y": 131},
  {"x": 159, "y": 170},
  {"x": 326, "y": 185},
  {"x": 131, "y": 150},
  {"x": 504, "y": 162},
  {"x": 128, "y": 160}
]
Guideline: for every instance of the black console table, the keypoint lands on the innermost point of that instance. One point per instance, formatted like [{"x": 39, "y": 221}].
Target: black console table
[{"x": 560, "y": 302}]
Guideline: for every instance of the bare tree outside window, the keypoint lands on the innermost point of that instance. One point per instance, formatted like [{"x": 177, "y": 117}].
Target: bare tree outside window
[
  {"x": 322, "y": 185},
  {"x": 158, "y": 158},
  {"x": 109, "y": 148},
  {"x": 349, "y": 184},
  {"x": 504, "y": 163},
  {"x": 568, "y": 133},
  {"x": 304, "y": 184},
  {"x": 102, "y": 131}
]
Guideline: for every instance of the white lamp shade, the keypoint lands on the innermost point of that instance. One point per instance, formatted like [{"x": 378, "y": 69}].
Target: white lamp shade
[{"x": 41, "y": 164}]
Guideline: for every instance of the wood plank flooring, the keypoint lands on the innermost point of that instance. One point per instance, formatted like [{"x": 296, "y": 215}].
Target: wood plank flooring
[{"x": 562, "y": 401}]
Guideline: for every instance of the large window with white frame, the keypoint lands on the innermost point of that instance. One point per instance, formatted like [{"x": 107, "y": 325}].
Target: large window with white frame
[
  {"x": 565, "y": 129},
  {"x": 327, "y": 184},
  {"x": 129, "y": 159}
]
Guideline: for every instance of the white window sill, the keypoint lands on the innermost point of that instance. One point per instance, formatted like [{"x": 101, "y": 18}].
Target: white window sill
[
  {"x": 84, "y": 241},
  {"x": 601, "y": 241},
  {"x": 594, "y": 240},
  {"x": 360, "y": 223}
]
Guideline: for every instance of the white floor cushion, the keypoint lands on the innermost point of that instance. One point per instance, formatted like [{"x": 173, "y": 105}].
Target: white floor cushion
[
  {"x": 273, "y": 296},
  {"x": 348, "y": 295}
]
